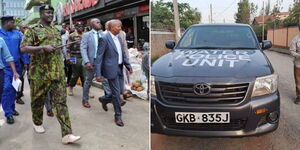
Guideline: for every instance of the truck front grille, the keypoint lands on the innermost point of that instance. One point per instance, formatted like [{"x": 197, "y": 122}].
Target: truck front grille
[{"x": 182, "y": 93}]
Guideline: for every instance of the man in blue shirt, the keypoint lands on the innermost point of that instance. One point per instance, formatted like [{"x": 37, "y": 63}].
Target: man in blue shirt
[
  {"x": 5, "y": 55},
  {"x": 13, "y": 40}
]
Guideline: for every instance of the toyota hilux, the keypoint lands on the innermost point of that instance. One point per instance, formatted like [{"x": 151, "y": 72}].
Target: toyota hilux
[{"x": 216, "y": 81}]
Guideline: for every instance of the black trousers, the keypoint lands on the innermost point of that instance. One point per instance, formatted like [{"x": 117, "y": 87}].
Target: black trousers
[{"x": 68, "y": 72}]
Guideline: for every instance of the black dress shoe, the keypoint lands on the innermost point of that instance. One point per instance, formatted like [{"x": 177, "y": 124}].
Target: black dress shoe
[
  {"x": 15, "y": 113},
  {"x": 10, "y": 120},
  {"x": 107, "y": 98},
  {"x": 119, "y": 122},
  {"x": 20, "y": 101},
  {"x": 104, "y": 104}
]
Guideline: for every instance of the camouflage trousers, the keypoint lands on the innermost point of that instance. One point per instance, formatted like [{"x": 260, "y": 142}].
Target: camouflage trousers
[
  {"x": 77, "y": 72},
  {"x": 39, "y": 90}
]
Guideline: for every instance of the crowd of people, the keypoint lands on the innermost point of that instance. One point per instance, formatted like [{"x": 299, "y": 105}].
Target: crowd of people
[{"x": 56, "y": 59}]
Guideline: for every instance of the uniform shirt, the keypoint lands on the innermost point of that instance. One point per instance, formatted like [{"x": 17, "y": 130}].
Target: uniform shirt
[
  {"x": 74, "y": 49},
  {"x": 295, "y": 50},
  {"x": 118, "y": 46},
  {"x": 4, "y": 53},
  {"x": 13, "y": 40},
  {"x": 44, "y": 66}
]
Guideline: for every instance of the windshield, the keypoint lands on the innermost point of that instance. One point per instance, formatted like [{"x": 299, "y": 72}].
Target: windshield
[{"x": 216, "y": 37}]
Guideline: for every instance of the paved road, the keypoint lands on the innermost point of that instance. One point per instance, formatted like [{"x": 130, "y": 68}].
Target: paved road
[
  {"x": 286, "y": 137},
  {"x": 96, "y": 127}
]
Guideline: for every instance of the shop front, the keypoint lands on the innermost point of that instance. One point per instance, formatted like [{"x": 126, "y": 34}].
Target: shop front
[{"x": 134, "y": 15}]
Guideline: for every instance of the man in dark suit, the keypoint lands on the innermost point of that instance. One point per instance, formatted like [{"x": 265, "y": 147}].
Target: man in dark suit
[{"x": 110, "y": 61}]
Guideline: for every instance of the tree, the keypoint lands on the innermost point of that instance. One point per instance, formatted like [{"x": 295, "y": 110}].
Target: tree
[
  {"x": 243, "y": 14},
  {"x": 187, "y": 15},
  {"x": 268, "y": 8},
  {"x": 258, "y": 31},
  {"x": 293, "y": 18},
  {"x": 162, "y": 15},
  {"x": 277, "y": 7},
  {"x": 253, "y": 10}
]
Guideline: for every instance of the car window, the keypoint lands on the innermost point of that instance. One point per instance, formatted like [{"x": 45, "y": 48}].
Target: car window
[
  {"x": 218, "y": 37},
  {"x": 188, "y": 39}
]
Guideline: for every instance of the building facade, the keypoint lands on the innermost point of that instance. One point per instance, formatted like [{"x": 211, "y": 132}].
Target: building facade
[
  {"x": 134, "y": 14},
  {"x": 13, "y": 8}
]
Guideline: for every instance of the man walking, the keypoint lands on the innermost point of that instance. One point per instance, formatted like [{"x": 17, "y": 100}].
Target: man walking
[
  {"x": 6, "y": 56},
  {"x": 74, "y": 57},
  {"x": 110, "y": 61},
  {"x": 12, "y": 39},
  {"x": 88, "y": 48},
  {"x": 46, "y": 73},
  {"x": 295, "y": 51}
]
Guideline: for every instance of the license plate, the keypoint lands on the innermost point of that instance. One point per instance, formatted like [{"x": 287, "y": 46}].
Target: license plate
[{"x": 207, "y": 117}]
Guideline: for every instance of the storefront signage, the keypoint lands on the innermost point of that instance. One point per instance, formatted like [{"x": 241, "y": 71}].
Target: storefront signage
[
  {"x": 78, "y": 5},
  {"x": 144, "y": 8}
]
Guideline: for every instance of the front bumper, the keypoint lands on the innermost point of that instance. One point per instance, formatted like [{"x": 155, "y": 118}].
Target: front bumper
[{"x": 249, "y": 123}]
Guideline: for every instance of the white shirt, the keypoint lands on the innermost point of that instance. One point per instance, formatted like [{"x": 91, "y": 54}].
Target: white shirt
[
  {"x": 96, "y": 34},
  {"x": 118, "y": 46}
]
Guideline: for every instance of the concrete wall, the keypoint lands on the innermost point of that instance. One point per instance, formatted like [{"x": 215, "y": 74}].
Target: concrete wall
[
  {"x": 158, "y": 39},
  {"x": 283, "y": 36}
]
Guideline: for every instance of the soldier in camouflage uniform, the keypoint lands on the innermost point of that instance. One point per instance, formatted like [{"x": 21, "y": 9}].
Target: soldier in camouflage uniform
[
  {"x": 46, "y": 73},
  {"x": 74, "y": 56},
  {"x": 295, "y": 51}
]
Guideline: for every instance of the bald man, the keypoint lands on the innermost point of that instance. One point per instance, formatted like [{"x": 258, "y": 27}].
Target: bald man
[
  {"x": 88, "y": 49},
  {"x": 111, "y": 59}
]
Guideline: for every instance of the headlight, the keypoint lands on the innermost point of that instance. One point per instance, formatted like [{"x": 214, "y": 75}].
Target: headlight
[
  {"x": 153, "y": 89},
  {"x": 265, "y": 85}
]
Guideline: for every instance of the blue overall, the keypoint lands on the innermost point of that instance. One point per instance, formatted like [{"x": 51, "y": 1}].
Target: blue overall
[{"x": 13, "y": 40}]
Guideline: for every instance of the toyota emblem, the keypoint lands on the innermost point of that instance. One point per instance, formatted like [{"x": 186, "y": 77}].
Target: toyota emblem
[{"x": 201, "y": 89}]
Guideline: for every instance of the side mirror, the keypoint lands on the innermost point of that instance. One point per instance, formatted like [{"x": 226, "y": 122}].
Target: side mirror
[
  {"x": 266, "y": 45},
  {"x": 170, "y": 44}
]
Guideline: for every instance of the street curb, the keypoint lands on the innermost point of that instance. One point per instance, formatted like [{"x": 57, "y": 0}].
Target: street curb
[{"x": 279, "y": 50}]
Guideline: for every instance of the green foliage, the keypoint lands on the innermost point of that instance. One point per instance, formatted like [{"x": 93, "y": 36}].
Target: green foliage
[
  {"x": 162, "y": 15},
  {"x": 258, "y": 31},
  {"x": 294, "y": 16},
  {"x": 243, "y": 14}
]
